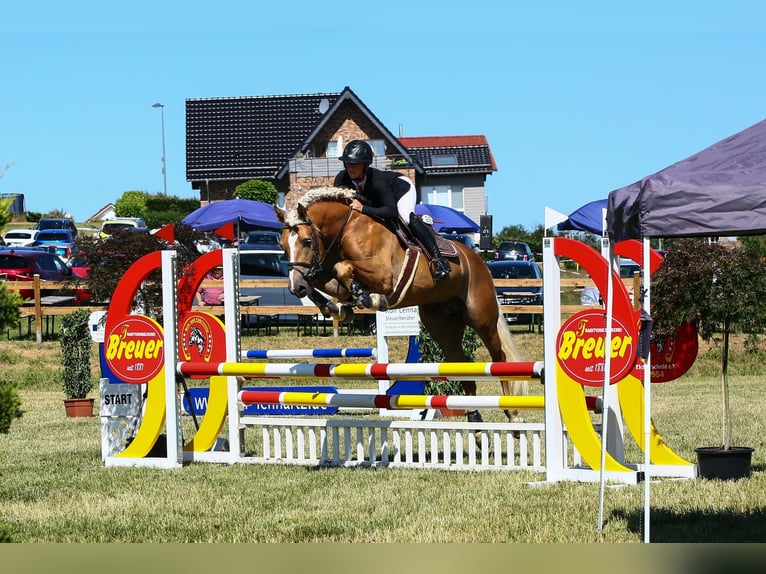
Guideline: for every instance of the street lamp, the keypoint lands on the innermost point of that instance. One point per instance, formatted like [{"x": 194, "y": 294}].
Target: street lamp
[{"x": 164, "y": 165}]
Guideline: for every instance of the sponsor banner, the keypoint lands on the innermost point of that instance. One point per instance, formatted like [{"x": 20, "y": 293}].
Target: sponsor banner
[
  {"x": 580, "y": 348},
  {"x": 134, "y": 349},
  {"x": 199, "y": 397}
]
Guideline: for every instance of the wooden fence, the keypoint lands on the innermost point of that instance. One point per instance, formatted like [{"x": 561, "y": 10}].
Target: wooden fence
[{"x": 50, "y": 297}]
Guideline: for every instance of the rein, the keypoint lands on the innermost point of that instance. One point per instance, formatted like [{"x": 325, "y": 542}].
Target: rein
[{"x": 315, "y": 267}]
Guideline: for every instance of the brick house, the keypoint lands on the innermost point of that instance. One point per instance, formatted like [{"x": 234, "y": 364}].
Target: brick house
[{"x": 294, "y": 141}]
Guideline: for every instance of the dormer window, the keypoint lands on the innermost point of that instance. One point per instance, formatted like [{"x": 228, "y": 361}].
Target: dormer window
[{"x": 445, "y": 159}]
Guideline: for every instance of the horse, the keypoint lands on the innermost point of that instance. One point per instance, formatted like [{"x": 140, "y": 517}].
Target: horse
[{"x": 357, "y": 259}]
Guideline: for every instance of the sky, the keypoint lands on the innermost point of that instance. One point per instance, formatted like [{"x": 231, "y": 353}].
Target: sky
[{"x": 575, "y": 99}]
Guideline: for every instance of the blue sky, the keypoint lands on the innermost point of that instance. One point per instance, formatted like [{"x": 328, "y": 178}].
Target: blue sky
[{"x": 576, "y": 99}]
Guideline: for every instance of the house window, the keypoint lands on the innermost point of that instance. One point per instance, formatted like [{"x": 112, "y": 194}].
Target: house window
[
  {"x": 378, "y": 146},
  {"x": 447, "y": 159},
  {"x": 449, "y": 196},
  {"x": 335, "y": 148}
]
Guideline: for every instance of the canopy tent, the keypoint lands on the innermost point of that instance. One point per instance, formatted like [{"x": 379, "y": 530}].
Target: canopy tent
[
  {"x": 589, "y": 217},
  {"x": 718, "y": 191},
  {"x": 242, "y": 212},
  {"x": 446, "y": 219}
]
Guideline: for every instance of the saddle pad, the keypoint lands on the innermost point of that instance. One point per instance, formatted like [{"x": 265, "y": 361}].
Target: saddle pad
[{"x": 446, "y": 246}]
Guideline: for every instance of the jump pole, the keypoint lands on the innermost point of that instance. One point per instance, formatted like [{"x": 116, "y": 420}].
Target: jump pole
[
  {"x": 523, "y": 370},
  {"x": 362, "y": 352},
  {"x": 376, "y": 401}
]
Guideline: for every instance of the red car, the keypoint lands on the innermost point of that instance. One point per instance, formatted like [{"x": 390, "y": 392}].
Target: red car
[{"x": 22, "y": 264}]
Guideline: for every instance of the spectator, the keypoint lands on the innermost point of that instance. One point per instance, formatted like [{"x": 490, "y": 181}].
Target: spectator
[{"x": 211, "y": 295}]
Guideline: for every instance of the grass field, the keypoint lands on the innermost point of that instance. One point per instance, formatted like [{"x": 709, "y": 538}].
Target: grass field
[{"x": 54, "y": 487}]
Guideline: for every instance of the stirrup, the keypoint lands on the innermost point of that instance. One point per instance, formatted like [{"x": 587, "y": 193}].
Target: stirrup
[{"x": 440, "y": 269}]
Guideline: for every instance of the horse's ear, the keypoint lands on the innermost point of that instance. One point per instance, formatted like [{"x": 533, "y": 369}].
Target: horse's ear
[
  {"x": 302, "y": 213},
  {"x": 280, "y": 214}
]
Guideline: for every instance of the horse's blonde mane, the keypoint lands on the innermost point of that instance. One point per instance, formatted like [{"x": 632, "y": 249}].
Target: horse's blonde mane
[{"x": 340, "y": 194}]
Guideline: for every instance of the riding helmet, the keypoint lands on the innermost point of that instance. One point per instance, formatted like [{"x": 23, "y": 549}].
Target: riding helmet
[{"x": 357, "y": 151}]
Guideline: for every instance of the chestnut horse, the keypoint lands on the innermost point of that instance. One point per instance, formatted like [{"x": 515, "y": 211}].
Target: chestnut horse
[{"x": 357, "y": 259}]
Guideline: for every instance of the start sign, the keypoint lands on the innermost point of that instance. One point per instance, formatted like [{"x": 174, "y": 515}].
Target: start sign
[
  {"x": 581, "y": 348},
  {"x": 133, "y": 349}
]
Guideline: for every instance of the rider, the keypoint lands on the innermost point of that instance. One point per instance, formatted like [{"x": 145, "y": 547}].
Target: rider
[{"x": 388, "y": 195}]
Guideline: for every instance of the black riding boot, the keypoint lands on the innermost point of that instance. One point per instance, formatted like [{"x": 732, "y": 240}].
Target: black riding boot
[{"x": 440, "y": 267}]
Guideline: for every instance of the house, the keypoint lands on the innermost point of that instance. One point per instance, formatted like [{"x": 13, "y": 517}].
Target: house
[
  {"x": 294, "y": 141},
  {"x": 106, "y": 212}
]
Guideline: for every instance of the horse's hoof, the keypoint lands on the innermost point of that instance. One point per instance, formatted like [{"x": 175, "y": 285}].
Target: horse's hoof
[
  {"x": 346, "y": 314},
  {"x": 330, "y": 310}
]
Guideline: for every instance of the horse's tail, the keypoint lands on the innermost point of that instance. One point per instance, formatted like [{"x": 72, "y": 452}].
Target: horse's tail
[{"x": 511, "y": 351}]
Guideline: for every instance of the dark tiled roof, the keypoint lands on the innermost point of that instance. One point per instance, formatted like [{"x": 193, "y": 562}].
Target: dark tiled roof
[
  {"x": 472, "y": 153},
  {"x": 248, "y": 137}
]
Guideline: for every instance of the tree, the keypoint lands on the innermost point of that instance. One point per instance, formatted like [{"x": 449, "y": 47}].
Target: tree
[
  {"x": 131, "y": 204},
  {"x": 108, "y": 259},
  {"x": 257, "y": 190},
  {"x": 756, "y": 243},
  {"x": 717, "y": 289}
]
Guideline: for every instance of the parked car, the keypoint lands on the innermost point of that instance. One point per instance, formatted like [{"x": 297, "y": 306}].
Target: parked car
[
  {"x": 521, "y": 295},
  {"x": 23, "y": 263},
  {"x": 514, "y": 250},
  {"x": 462, "y": 238},
  {"x": 591, "y": 296},
  {"x": 122, "y": 223},
  {"x": 267, "y": 264},
  {"x": 58, "y": 241},
  {"x": 261, "y": 240},
  {"x": 56, "y": 223},
  {"x": 20, "y": 237}
]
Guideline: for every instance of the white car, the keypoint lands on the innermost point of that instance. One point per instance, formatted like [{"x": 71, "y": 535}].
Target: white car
[{"x": 20, "y": 237}]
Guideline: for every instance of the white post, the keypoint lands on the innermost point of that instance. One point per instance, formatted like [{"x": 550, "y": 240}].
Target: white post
[
  {"x": 170, "y": 330},
  {"x": 233, "y": 345},
  {"x": 554, "y": 428}
]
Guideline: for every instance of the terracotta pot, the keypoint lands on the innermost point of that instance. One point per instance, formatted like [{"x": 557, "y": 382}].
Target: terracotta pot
[
  {"x": 79, "y": 407},
  {"x": 452, "y": 412},
  {"x": 716, "y": 463}
]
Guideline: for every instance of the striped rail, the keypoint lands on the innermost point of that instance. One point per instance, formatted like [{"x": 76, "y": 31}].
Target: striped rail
[
  {"x": 380, "y": 371},
  {"x": 364, "y": 352}
]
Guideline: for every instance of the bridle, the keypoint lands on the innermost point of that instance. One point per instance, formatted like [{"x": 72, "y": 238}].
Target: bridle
[{"x": 315, "y": 267}]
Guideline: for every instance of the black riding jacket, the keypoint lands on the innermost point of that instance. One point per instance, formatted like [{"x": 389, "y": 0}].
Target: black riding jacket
[{"x": 382, "y": 191}]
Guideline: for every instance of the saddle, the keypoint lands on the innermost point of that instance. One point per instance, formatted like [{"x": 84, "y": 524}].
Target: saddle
[{"x": 407, "y": 239}]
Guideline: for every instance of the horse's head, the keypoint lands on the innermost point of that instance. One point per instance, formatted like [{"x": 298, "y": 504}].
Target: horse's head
[
  {"x": 301, "y": 248},
  {"x": 308, "y": 241}
]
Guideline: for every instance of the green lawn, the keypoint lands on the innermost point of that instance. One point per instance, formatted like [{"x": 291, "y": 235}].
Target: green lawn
[{"x": 55, "y": 488}]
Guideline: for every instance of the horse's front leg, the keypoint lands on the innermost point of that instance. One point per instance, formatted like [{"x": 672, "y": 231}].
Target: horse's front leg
[
  {"x": 344, "y": 272},
  {"x": 328, "y": 308}
]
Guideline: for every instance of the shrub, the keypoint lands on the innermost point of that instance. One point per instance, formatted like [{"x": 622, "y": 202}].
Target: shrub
[
  {"x": 75, "y": 354},
  {"x": 430, "y": 352},
  {"x": 257, "y": 190},
  {"x": 10, "y": 404}
]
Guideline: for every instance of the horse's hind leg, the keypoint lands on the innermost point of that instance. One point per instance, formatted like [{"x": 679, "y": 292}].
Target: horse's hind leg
[{"x": 447, "y": 330}]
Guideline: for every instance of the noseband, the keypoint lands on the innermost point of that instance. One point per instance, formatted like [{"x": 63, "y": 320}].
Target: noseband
[{"x": 315, "y": 267}]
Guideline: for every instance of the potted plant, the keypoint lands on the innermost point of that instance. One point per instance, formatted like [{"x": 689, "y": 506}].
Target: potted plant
[
  {"x": 75, "y": 360},
  {"x": 430, "y": 352},
  {"x": 720, "y": 290}
]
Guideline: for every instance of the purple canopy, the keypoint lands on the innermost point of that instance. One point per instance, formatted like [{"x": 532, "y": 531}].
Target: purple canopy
[
  {"x": 446, "y": 219},
  {"x": 718, "y": 191},
  {"x": 239, "y": 211}
]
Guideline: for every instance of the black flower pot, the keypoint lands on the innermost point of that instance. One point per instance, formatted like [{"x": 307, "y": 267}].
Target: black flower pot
[{"x": 717, "y": 463}]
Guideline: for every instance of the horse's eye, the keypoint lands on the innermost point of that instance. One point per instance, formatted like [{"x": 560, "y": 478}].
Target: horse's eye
[{"x": 306, "y": 242}]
